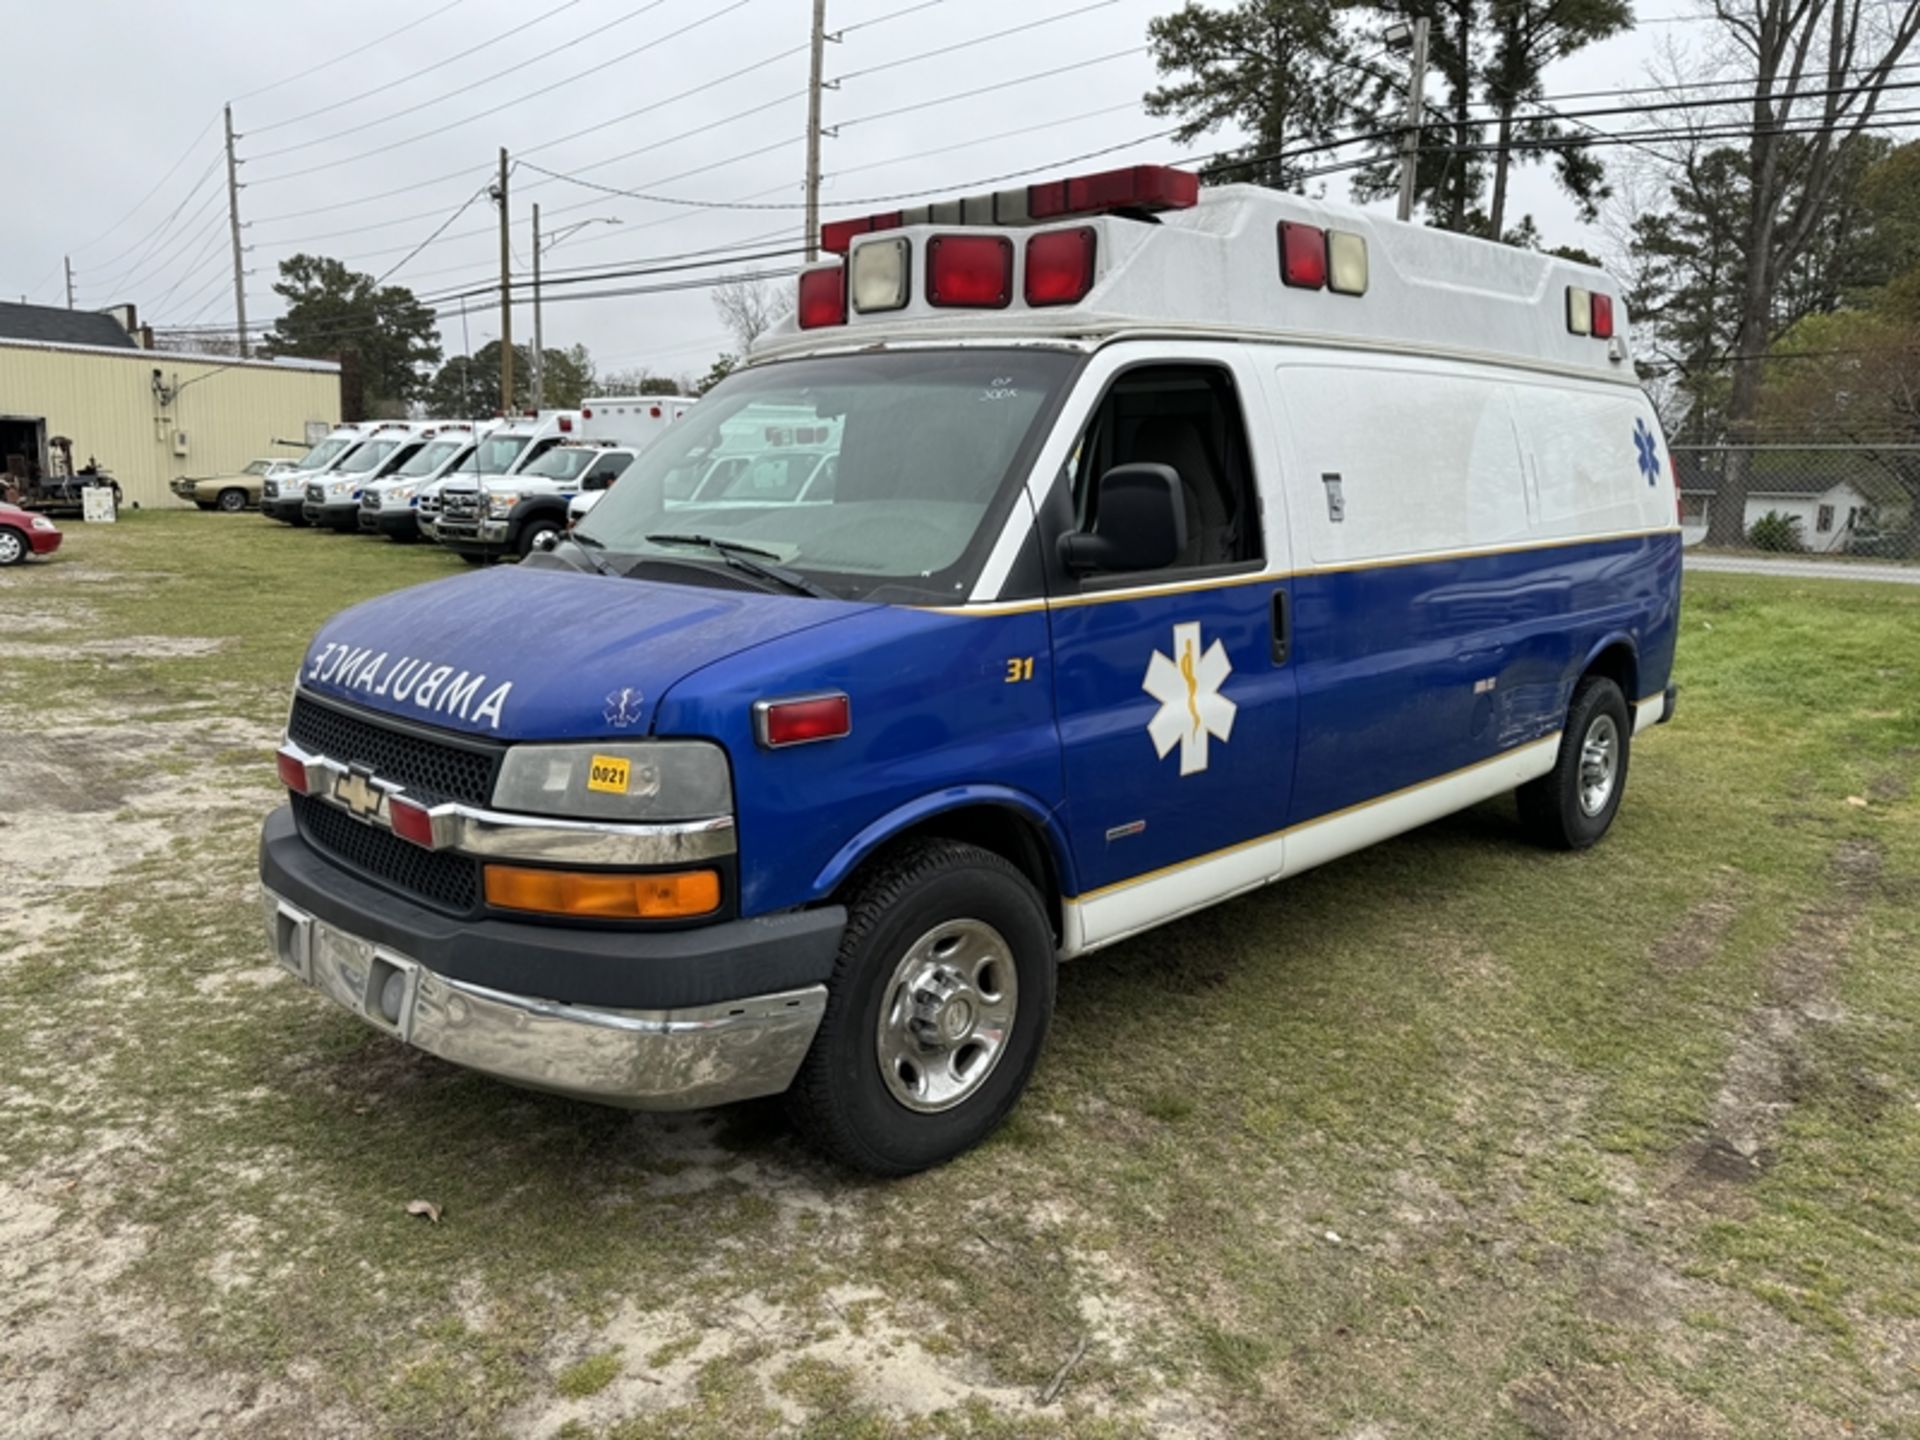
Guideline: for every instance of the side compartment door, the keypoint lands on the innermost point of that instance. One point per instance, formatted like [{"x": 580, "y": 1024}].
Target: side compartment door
[
  {"x": 1173, "y": 690},
  {"x": 1408, "y": 492}
]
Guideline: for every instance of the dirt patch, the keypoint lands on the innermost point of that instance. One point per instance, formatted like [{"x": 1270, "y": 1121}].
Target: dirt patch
[
  {"x": 1702, "y": 930},
  {"x": 1759, "y": 1083},
  {"x": 1595, "y": 1402}
]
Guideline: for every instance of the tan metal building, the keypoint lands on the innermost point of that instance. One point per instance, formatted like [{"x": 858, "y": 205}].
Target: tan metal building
[{"x": 149, "y": 415}]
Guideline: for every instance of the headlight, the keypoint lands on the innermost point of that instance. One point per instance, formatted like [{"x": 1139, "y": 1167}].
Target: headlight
[
  {"x": 41, "y": 522},
  {"x": 661, "y": 780},
  {"x": 501, "y": 506},
  {"x": 398, "y": 495}
]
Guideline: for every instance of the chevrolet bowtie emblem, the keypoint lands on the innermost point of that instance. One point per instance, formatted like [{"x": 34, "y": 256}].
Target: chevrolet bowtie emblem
[{"x": 358, "y": 793}]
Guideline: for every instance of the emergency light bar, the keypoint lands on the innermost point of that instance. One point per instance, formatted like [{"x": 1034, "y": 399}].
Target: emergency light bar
[{"x": 1139, "y": 189}]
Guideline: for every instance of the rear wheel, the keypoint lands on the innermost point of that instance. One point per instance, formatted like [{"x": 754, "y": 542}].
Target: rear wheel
[
  {"x": 936, "y": 1013},
  {"x": 13, "y": 546},
  {"x": 1573, "y": 804},
  {"x": 232, "y": 501}
]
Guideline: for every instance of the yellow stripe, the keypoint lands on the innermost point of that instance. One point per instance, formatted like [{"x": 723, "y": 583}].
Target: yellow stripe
[
  {"x": 1224, "y": 851},
  {"x": 1149, "y": 592}
]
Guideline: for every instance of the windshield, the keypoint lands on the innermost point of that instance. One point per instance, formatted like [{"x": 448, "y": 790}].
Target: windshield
[
  {"x": 563, "y": 464},
  {"x": 323, "y": 454},
  {"x": 367, "y": 457},
  {"x": 496, "y": 456},
  {"x": 430, "y": 457},
  {"x": 866, "y": 473},
  {"x": 260, "y": 467}
]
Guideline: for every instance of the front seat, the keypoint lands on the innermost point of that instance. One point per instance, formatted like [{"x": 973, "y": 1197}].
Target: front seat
[{"x": 1175, "y": 441}]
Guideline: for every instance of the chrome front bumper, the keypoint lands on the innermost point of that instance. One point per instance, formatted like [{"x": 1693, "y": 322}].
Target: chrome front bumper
[{"x": 640, "y": 1059}]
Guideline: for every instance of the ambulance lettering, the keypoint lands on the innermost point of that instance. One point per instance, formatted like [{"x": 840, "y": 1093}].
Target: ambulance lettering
[
  {"x": 1191, "y": 705},
  {"x": 434, "y": 688}
]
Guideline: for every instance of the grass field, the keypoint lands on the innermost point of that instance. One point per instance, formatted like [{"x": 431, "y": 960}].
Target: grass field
[{"x": 1452, "y": 1138}]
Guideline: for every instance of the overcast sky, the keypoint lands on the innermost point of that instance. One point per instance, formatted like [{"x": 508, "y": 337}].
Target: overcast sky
[{"x": 132, "y": 86}]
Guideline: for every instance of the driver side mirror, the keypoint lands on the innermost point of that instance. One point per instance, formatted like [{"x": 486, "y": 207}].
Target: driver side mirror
[{"x": 1140, "y": 522}]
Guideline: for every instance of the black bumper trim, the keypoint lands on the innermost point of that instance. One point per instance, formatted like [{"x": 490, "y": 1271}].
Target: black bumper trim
[
  {"x": 619, "y": 969},
  {"x": 1673, "y": 700}
]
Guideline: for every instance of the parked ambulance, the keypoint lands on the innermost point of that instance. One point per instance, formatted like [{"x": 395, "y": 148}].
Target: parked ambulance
[
  {"x": 509, "y": 448},
  {"x": 284, "y": 492},
  {"x": 1180, "y": 541},
  {"x": 388, "y": 506},
  {"x": 488, "y": 519},
  {"x": 333, "y": 499}
]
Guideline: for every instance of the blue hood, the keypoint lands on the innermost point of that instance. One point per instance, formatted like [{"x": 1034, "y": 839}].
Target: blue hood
[{"x": 526, "y": 653}]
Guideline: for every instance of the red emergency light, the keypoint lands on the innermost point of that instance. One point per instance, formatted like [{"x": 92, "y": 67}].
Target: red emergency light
[
  {"x": 1060, "y": 266},
  {"x": 1303, "y": 255},
  {"x": 972, "y": 271},
  {"x": 823, "y": 297},
  {"x": 1602, "y": 316}
]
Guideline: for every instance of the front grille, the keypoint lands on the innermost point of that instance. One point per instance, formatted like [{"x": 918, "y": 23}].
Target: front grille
[
  {"x": 461, "y": 504},
  {"x": 316, "y": 493},
  {"x": 430, "y": 768},
  {"x": 439, "y": 877},
  {"x": 369, "y": 499}
]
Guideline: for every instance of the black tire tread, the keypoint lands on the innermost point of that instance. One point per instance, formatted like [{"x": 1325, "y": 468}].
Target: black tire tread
[
  {"x": 814, "y": 1101},
  {"x": 1544, "y": 803}
]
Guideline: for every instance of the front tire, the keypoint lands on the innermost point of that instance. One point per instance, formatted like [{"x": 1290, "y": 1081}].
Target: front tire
[
  {"x": 936, "y": 1012},
  {"x": 530, "y": 535},
  {"x": 232, "y": 501},
  {"x": 13, "y": 547},
  {"x": 1573, "y": 804}
]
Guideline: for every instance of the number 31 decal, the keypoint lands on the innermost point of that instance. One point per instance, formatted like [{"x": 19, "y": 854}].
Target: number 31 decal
[{"x": 1019, "y": 668}]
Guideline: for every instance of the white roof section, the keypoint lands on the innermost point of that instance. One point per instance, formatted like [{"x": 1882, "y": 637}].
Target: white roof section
[{"x": 1214, "y": 269}]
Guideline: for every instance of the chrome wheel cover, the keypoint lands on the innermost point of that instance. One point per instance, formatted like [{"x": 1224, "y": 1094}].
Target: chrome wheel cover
[
  {"x": 1599, "y": 764},
  {"x": 946, "y": 1015},
  {"x": 12, "y": 547}
]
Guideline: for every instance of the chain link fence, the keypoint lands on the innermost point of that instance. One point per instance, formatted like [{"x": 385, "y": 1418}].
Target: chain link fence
[{"x": 1820, "y": 500}]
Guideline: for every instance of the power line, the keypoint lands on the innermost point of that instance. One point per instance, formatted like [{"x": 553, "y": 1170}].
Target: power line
[
  {"x": 160, "y": 229},
  {"x": 990, "y": 89},
  {"x": 464, "y": 205},
  {"x": 515, "y": 68},
  {"x": 415, "y": 74},
  {"x": 976, "y": 40},
  {"x": 156, "y": 242},
  {"x": 706, "y": 19},
  {"x": 306, "y": 72}
]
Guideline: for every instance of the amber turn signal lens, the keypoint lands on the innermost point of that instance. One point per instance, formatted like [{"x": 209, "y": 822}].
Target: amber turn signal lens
[{"x": 599, "y": 895}]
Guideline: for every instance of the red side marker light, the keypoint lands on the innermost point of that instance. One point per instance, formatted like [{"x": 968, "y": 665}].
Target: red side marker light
[
  {"x": 654, "y": 412},
  {"x": 823, "y": 297},
  {"x": 974, "y": 271},
  {"x": 410, "y": 821},
  {"x": 566, "y": 424},
  {"x": 1602, "y": 316},
  {"x": 293, "y": 773},
  {"x": 1060, "y": 266},
  {"x": 1303, "y": 255},
  {"x": 804, "y": 719}
]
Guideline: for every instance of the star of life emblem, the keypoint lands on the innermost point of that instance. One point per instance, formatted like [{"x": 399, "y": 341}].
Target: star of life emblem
[
  {"x": 623, "y": 708},
  {"x": 1192, "y": 709}
]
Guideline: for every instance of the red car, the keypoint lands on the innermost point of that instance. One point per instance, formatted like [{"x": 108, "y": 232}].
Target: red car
[{"x": 23, "y": 534}]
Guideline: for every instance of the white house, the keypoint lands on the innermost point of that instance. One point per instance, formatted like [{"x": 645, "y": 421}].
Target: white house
[{"x": 1839, "y": 500}]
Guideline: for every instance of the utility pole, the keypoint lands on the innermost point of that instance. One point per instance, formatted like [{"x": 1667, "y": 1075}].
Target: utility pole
[
  {"x": 539, "y": 355},
  {"x": 506, "y": 293},
  {"x": 233, "y": 223},
  {"x": 813, "y": 128},
  {"x": 69, "y": 263},
  {"x": 1416, "y": 111}
]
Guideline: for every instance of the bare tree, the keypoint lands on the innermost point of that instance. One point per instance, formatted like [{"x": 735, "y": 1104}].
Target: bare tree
[
  {"x": 1808, "y": 63},
  {"x": 752, "y": 305}
]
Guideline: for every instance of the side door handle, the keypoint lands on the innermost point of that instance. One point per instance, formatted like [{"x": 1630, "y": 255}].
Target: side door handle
[{"x": 1282, "y": 627}]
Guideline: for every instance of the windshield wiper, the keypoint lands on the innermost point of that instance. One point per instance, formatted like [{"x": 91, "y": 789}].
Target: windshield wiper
[
  {"x": 581, "y": 542},
  {"x": 735, "y": 554}
]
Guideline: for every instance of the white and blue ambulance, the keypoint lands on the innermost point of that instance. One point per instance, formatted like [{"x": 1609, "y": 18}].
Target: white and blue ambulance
[{"x": 1178, "y": 542}]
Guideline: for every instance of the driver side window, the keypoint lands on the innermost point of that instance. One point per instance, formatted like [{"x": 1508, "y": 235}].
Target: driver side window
[{"x": 1186, "y": 417}]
